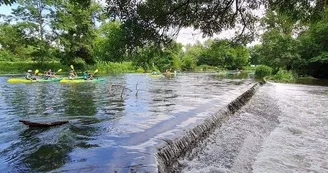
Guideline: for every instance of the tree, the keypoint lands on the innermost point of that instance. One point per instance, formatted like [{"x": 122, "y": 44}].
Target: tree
[
  {"x": 314, "y": 49},
  {"x": 188, "y": 62},
  {"x": 152, "y": 19},
  {"x": 161, "y": 57},
  {"x": 82, "y": 3},
  {"x": 33, "y": 17},
  {"x": 109, "y": 45},
  {"x": 13, "y": 42},
  {"x": 237, "y": 56},
  {"x": 144, "y": 57},
  {"x": 255, "y": 54},
  {"x": 168, "y": 57},
  {"x": 279, "y": 50},
  {"x": 75, "y": 28},
  {"x": 225, "y": 53}
]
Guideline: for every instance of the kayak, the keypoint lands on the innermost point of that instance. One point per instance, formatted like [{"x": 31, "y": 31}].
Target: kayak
[
  {"x": 22, "y": 80},
  {"x": 66, "y": 80},
  {"x": 157, "y": 75}
]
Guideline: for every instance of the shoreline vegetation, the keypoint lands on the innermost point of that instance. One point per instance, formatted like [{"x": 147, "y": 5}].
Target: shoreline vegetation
[{"x": 105, "y": 68}]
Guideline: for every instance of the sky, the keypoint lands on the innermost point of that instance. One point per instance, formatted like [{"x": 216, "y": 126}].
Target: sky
[{"x": 185, "y": 36}]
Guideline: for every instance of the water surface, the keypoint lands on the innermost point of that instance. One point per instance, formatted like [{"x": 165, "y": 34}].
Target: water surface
[
  {"x": 109, "y": 130},
  {"x": 283, "y": 128}
]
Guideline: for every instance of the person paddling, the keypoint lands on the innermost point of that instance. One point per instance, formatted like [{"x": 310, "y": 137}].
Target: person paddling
[
  {"x": 49, "y": 73},
  {"x": 71, "y": 74},
  {"x": 87, "y": 75},
  {"x": 29, "y": 76}
]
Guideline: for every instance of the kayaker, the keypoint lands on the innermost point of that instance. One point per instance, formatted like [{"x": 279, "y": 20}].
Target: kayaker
[
  {"x": 71, "y": 74},
  {"x": 49, "y": 73},
  {"x": 91, "y": 76},
  {"x": 87, "y": 75},
  {"x": 29, "y": 75}
]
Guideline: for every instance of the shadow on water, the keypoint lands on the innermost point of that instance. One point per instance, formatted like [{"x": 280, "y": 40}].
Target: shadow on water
[{"x": 319, "y": 82}]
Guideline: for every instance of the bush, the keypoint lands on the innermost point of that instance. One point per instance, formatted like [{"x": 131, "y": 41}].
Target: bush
[
  {"x": 140, "y": 70},
  {"x": 7, "y": 56},
  {"x": 206, "y": 68},
  {"x": 262, "y": 71},
  {"x": 283, "y": 76},
  {"x": 188, "y": 63},
  {"x": 22, "y": 67},
  {"x": 105, "y": 67}
]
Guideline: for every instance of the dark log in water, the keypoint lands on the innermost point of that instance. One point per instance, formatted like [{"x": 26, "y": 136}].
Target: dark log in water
[
  {"x": 168, "y": 154},
  {"x": 45, "y": 124}
]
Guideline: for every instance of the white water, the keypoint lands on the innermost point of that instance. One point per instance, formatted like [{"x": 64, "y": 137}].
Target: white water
[{"x": 284, "y": 128}]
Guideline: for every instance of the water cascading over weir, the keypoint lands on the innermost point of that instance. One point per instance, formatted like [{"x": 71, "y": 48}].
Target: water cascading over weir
[{"x": 169, "y": 153}]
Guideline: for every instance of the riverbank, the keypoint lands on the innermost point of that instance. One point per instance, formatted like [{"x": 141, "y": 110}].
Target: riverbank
[
  {"x": 106, "y": 68},
  {"x": 282, "y": 129},
  {"x": 103, "y": 67}
]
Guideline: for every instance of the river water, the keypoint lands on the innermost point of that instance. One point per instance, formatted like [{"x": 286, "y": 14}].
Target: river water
[
  {"x": 109, "y": 130},
  {"x": 284, "y": 128}
]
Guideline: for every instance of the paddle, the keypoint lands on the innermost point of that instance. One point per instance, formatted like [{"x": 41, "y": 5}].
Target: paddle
[
  {"x": 57, "y": 72},
  {"x": 72, "y": 67},
  {"x": 91, "y": 75},
  {"x": 36, "y": 72}
]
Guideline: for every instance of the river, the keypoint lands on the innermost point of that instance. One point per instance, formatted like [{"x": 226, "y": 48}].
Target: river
[
  {"x": 109, "y": 130},
  {"x": 283, "y": 128}
]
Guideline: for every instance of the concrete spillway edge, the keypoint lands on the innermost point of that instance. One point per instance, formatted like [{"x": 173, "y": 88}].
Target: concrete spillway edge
[{"x": 170, "y": 152}]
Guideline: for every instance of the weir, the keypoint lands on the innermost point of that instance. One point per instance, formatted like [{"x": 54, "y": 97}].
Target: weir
[{"x": 169, "y": 153}]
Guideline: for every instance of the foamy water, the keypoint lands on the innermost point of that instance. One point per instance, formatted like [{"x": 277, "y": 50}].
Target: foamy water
[
  {"x": 282, "y": 129},
  {"x": 300, "y": 141}
]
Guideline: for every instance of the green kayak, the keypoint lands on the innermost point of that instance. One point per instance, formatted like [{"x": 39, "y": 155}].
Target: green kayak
[{"x": 22, "y": 80}]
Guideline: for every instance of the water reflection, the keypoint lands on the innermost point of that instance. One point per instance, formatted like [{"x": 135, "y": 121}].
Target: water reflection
[{"x": 79, "y": 100}]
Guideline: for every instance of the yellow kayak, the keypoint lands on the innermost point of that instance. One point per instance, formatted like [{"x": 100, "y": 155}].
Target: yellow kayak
[
  {"x": 23, "y": 80},
  {"x": 66, "y": 80}
]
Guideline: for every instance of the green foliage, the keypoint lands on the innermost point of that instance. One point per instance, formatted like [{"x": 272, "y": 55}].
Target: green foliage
[
  {"x": 255, "y": 54},
  {"x": 22, "y": 67},
  {"x": 112, "y": 67},
  {"x": 140, "y": 70},
  {"x": 161, "y": 57},
  {"x": 262, "y": 71},
  {"x": 75, "y": 29},
  {"x": 206, "y": 68},
  {"x": 144, "y": 18},
  {"x": 188, "y": 63},
  {"x": 33, "y": 16},
  {"x": 12, "y": 41},
  {"x": 5, "y": 55},
  {"x": 279, "y": 50},
  {"x": 224, "y": 53},
  {"x": 249, "y": 68},
  {"x": 283, "y": 76},
  {"x": 314, "y": 48},
  {"x": 109, "y": 45}
]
